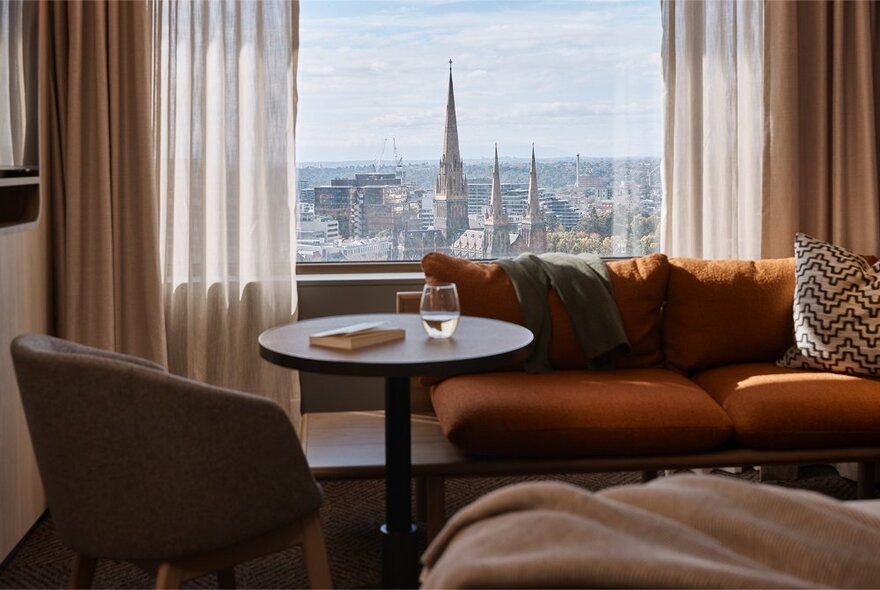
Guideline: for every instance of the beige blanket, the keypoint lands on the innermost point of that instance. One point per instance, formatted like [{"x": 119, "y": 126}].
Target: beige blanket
[{"x": 682, "y": 532}]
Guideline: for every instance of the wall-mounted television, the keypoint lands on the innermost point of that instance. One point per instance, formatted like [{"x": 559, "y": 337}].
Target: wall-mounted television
[{"x": 19, "y": 152}]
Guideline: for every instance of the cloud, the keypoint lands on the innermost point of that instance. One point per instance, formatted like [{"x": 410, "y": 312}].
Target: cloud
[
  {"x": 408, "y": 119},
  {"x": 371, "y": 69}
]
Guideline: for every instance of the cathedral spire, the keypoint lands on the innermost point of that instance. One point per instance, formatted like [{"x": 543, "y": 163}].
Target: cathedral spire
[
  {"x": 450, "y": 190},
  {"x": 533, "y": 230},
  {"x": 496, "y": 230},
  {"x": 450, "y": 137},
  {"x": 496, "y": 210},
  {"x": 534, "y": 206}
]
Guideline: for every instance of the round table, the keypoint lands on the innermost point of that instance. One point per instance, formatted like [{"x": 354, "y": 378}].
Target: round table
[{"x": 479, "y": 344}]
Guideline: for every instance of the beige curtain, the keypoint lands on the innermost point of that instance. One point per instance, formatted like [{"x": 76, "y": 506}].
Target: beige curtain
[
  {"x": 97, "y": 174},
  {"x": 711, "y": 169},
  {"x": 225, "y": 118},
  {"x": 18, "y": 96},
  {"x": 822, "y": 70}
]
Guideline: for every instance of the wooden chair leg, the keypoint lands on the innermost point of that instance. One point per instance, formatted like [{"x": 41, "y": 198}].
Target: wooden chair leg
[
  {"x": 83, "y": 571},
  {"x": 169, "y": 577},
  {"x": 226, "y": 578},
  {"x": 315, "y": 553},
  {"x": 866, "y": 489},
  {"x": 435, "y": 506}
]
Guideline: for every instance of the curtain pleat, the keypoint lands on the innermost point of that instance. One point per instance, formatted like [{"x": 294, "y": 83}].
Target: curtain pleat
[
  {"x": 226, "y": 113},
  {"x": 821, "y": 128},
  {"x": 98, "y": 175},
  {"x": 712, "y": 99}
]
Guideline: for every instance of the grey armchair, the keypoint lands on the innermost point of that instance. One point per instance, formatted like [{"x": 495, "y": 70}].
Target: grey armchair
[{"x": 140, "y": 465}]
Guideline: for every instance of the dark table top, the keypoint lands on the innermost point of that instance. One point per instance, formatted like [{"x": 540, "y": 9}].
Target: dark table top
[{"x": 479, "y": 344}]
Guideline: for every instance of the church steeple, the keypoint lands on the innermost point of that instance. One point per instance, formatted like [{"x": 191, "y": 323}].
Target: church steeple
[
  {"x": 495, "y": 204},
  {"x": 534, "y": 212},
  {"x": 533, "y": 234},
  {"x": 450, "y": 136},
  {"x": 496, "y": 230},
  {"x": 450, "y": 190}
]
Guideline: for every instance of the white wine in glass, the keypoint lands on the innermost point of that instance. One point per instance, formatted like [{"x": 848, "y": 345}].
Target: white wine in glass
[{"x": 440, "y": 310}]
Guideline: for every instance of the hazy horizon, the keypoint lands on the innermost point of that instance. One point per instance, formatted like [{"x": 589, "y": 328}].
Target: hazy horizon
[{"x": 387, "y": 162}]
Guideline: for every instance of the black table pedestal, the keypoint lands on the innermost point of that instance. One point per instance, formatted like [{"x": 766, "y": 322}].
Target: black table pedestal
[
  {"x": 480, "y": 344},
  {"x": 399, "y": 558}
]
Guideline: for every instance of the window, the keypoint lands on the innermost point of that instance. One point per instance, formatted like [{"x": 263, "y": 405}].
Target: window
[{"x": 402, "y": 103}]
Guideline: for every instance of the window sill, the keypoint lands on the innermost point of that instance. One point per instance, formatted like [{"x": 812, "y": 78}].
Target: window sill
[
  {"x": 340, "y": 268},
  {"x": 328, "y": 279}
]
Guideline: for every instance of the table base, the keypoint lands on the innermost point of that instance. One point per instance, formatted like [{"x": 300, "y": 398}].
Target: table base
[{"x": 399, "y": 559}]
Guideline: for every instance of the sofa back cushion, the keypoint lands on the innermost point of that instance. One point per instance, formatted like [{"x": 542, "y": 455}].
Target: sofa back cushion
[
  {"x": 639, "y": 286},
  {"x": 727, "y": 311}
]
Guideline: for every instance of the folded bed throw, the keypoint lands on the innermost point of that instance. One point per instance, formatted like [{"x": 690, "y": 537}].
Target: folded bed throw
[{"x": 679, "y": 532}]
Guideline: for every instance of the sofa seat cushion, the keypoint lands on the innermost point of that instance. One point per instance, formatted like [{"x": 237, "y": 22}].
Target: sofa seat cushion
[
  {"x": 776, "y": 408},
  {"x": 579, "y": 413}
]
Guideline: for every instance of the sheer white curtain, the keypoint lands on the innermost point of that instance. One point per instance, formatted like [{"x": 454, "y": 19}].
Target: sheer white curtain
[
  {"x": 713, "y": 104},
  {"x": 225, "y": 96},
  {"x": 18, "y": 90}
]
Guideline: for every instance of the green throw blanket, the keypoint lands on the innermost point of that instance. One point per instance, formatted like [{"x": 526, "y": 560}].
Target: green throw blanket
[{"x": 584, "y": 287}]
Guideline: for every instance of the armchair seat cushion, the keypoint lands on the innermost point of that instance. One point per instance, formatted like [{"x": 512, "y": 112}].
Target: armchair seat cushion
[
  {"x": 777, "y": 408},
  {"x": 579, "y": 413}
]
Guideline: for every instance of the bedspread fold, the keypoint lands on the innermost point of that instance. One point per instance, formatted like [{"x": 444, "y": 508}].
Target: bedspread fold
[{"x": 683, "y": 531}]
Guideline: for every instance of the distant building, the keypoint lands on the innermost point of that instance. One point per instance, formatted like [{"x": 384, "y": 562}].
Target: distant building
[
  {"x": 377, "y": 179},
  {"x": 417, "y": 243},
  {"x": 479, "y": 190},
  {"x": 533, "y": 229},
  {"x": 513, "y": 197},
  {"x": 426, "y": 211},
  {"x": 496, "y": 228},
  {"x": 457, "y": 203},
  {"x": 499, "y": 235},
  {"x": 567, "y": 215},
  {"x": 469, "y": 245},
  {"x": 339, "y": 201},
  {"x": 590, "y": 181},
  {"x": 450, "y": 190},
  {"x": 324, "y": 229},
  {"x": 344, "y": 250},
  {"x": 369, "y": 204}
]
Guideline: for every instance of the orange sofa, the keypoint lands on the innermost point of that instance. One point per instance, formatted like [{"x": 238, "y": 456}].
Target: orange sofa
[{"x": 700, "y": 376}]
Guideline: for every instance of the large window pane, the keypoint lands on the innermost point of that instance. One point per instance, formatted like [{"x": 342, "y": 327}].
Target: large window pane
[{"x": 389, "y": 167}]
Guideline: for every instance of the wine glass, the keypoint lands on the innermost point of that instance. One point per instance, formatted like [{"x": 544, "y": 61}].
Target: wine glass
[{"x": 440, "y": 309}]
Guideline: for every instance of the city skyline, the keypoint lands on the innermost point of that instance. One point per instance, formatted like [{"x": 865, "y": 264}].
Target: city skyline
[{"x": 567, "y": 76}]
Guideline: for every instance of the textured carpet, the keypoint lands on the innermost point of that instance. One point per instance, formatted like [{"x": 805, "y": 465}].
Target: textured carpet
[{"x": 351, "y": 516}]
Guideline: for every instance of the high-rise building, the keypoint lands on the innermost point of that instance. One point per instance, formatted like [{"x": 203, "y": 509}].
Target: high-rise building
[
  {"x": 513, "y": 197},
  {"x": 450, "y": 192},
  {"x": 339, "y": 201}
]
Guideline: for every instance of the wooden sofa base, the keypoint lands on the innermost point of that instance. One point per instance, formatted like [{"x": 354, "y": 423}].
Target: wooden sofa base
[{"x": 351, "y": 445}]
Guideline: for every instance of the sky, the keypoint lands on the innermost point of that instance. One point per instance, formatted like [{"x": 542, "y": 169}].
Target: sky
[{"x": 570, "y": 76}]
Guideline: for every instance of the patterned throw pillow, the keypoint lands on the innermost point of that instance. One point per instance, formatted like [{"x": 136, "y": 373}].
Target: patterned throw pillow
[{"x": 836, "y": 311}]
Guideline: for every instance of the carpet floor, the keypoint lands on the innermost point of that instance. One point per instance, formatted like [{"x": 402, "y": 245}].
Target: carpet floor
[{"x": 351, "y": 516}]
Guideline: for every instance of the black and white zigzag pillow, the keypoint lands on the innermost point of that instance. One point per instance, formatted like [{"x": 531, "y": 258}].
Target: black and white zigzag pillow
[{"x": 836, "y": 311}]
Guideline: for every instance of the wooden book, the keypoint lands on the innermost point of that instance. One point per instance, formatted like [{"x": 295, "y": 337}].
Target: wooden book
[{"x": 354, "y": 337}]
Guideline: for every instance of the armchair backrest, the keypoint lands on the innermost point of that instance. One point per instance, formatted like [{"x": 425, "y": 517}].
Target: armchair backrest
[{"x": 141, "y": 464}]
